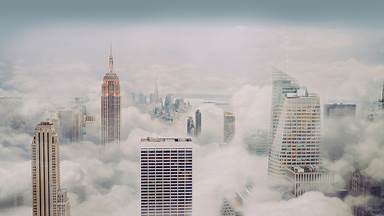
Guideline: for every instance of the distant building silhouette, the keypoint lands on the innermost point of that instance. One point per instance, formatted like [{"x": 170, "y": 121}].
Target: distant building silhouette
[
  {"x": 229, "y": 126},
  {"x": 197, "y": 122},
  {"x": 339, "y": 110},
  {"x": 190, "y": 126}
]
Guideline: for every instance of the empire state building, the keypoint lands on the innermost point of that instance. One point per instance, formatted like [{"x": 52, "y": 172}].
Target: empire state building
[{"x": 110, "y": 106}]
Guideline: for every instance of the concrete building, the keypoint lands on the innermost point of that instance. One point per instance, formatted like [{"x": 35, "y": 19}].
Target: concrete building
[
  {"x": 46, "y": 194},
  {"x": 166, "y": 176},
  {"x": 297, "y": 138},
  {"x": 339, "y": 110},
  {"x": 229, "y": 126},
  {"x": 308, "y": 178},
  {"x": 110, "y": 106}
]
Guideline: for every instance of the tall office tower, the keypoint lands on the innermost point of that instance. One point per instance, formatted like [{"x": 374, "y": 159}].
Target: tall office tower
[
  {"x": 339, "y": 110},
  {"x": 297, "y": 138},
  {"x": 229, "y": 126},
  {"x": 45, "y": 171},
  {"x": 110, "y": 106},
  {"x": 166, "y": 176},
  {"x": 282, "y": 84},
  {"x": 190, "y": 126},
  {"x": 197, "y": 122}
]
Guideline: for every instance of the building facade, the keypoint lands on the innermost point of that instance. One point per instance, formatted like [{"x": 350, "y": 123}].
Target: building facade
[
  {"x": 308, "y": 178},
  {"x": 166, "y": 176},
  {"x": 282, "y": 84},
  {"x": 46, "y": 172},
  {"x": 229, "y": 126},
  {"x": 297, "y": 138},
  {"x": 110, "y": 106}
]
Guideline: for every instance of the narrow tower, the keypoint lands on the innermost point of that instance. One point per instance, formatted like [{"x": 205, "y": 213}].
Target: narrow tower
[
  {"x": 46, "y": 191},
  {"x": 197, "y": 122},
  {"x": 110, "y": 106}
]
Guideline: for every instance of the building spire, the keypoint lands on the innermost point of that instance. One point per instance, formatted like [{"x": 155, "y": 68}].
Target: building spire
[
  {"x": 110, "y": 59},
  {"x": 156, "y": 92},
  {"x": 382, "y": 94}
]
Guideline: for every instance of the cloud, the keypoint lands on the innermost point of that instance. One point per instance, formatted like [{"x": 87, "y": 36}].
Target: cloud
[
  {"x": 311, "y": 203},
  {"x": 225, "y": 59}
]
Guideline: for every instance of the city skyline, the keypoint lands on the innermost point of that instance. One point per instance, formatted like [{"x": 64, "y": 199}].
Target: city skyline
[
  {"x": 230, "y": 125},
  {"x": 203, "y": 108}
]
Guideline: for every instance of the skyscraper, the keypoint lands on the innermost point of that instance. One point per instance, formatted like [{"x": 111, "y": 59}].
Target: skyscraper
[
  {"x": 381, "y": 100},
  {"x": 166, "y": 176},
  {"x": 190, "y": 126},
  {"x": 297, "y": 137},
  {"x": 197, "y": 122},
  {"x": 46, "y": 191},
  {"x": 282, "y": 84},
  {"x": 110, "y": 106},
  {"x": 229, "y": 126}
]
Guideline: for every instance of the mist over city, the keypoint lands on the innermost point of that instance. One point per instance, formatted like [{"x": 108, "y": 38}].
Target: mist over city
[{"x": 218, "y": 109}]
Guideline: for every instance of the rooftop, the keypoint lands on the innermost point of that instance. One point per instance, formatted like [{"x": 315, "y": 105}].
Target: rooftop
[
  {"x": 165, "y": 139},
  {"x": 306, "y": 169},
  {"x": 45, "y": 123}
]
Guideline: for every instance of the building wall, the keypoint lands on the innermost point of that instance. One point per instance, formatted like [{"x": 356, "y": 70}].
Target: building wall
[
  {"x": 297, "y": 139},
  {"x": 110, "y": 109},
  {"x": 166, "y": 176},
  {"x": 45, "y": 170},
  {"x": 281, "y": 85},
  {"x": 302, "y": 182}
]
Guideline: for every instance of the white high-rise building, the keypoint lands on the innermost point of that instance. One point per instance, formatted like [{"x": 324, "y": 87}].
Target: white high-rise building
[
  {"x": 282, "y": 85},
  {"x": 46, "y": 172},
  {"x": 297, "y": 136},
  {"x": 166, "y": 176}
]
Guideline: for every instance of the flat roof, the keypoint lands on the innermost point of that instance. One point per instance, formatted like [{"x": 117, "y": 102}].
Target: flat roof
[{"x": 166, "y": 139}]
